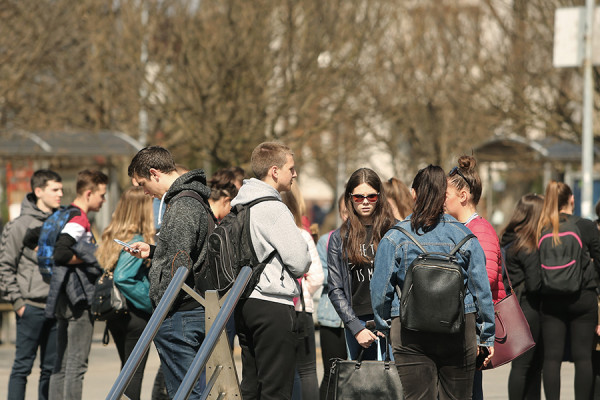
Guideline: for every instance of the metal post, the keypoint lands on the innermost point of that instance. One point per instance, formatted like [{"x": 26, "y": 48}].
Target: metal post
[
  {"x": 143, "y": 344},
  {"x": 213, "y": 334},
  {"x": 587, "y": 142}
]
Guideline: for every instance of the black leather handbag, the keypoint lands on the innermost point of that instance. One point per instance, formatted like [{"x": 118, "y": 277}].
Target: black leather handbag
[{"x": 365, "y": 380}]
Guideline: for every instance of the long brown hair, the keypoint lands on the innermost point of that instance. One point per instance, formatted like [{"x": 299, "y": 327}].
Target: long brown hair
[
  {"x": 469, "y": 180},
  {"x": 399, "y": 193},
  {"x": 353, "y": 231},
  {"x": 524, "y": 222},
  {"x": 430, "y": 187},
  {"x": 133, "y": 215},
  {"x": 295, "y": 202},
  {"x": 557, "y": 196}
]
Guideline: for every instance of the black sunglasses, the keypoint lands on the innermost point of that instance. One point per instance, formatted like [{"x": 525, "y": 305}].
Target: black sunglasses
[{"x": 455, "y": 171}]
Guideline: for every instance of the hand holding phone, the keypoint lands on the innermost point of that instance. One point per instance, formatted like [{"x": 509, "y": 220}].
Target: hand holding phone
[
  {"x": 122, "y": 243},
  {"x": 483, "y": 353}
]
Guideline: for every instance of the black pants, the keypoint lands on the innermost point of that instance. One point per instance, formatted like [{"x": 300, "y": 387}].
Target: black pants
[
  {"x": 525, "y": 379},
  {"x": 306, "y": 357},
  {"x": 579, "y": 313},
  {"x": 333, "y": 345},
  {"x": 126, "y": 330},
  {"x": 268, "y": 337},
  {"x": 435, "y": 366}
]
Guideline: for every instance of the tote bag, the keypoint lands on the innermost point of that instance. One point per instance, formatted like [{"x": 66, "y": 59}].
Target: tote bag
[
  {"x": 365, "y": 380},
  {"x": 513, "y": 336}
]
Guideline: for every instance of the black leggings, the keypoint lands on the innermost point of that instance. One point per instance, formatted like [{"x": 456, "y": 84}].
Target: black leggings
[
  {"x": 579, "y": 314},
  {"x": 525, "y": 379}
]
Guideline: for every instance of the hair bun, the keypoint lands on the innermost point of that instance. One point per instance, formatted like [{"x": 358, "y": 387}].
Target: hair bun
[{"x": 467, "y": 163}]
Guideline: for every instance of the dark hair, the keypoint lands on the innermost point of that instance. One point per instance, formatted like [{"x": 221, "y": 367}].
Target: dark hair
[
  {"x": 222, "y": 184},
  {"x": 430, "y": 187},
  {"x": 267, "y": 155},
  {"x": 524, "y": 222},
  {"x": 151, "y": 157},
  {"x": 353, "y": 231},
  {"x": 557, "y": 196},
  {"x": 469, "y": 179},
  {"x": 41, "y": 177},
  {"x": 89, "y": 180},
  {"x": 399, "y": 193}
]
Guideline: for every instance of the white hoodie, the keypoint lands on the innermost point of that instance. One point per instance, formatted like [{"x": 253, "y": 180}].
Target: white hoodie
[{"x": 272, "y": 227}]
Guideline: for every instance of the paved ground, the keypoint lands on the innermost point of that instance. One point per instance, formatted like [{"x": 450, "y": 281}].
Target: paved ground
[{"x": 104, "y": 368}]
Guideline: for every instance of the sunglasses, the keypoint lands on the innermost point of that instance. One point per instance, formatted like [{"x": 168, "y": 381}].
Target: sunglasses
[
  {"x": 359, "y": 198},
  {"x": 455, "y": 171}
]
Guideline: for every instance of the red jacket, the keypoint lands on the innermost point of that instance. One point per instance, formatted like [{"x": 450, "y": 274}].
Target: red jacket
[{"x": 491, "y": 247}]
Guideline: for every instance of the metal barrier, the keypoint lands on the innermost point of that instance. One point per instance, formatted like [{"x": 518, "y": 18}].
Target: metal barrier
[{"x": 215, "y": 337}]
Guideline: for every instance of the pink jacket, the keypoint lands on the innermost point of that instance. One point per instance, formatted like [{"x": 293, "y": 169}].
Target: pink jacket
[{"x": 491, "y": 247}]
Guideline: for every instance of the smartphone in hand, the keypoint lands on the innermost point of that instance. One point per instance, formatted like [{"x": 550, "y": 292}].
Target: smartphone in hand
[
  {"x": 483, "y": 353},
  {"x": 122, "y": 243}
]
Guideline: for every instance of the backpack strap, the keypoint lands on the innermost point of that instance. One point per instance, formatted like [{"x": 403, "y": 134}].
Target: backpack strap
[
  {"x": 196, "y": 195},
  {"x": 452, "y": 252}
]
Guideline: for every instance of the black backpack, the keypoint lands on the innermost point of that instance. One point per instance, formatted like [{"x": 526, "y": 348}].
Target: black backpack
[
  {"x": 432, "y": 299},
  {"x": 230, "y": 248},
  {"x": 562, "y": 264}
]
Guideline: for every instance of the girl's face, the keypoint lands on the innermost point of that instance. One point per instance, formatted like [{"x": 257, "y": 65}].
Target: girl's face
[
  {"x": 364, "y": 199},
  {"x": 453, "y": 204}
]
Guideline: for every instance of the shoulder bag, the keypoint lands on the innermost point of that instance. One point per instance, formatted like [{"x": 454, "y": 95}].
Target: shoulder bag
[
  {"x": 513, "y": 336},
  {"x": 366, "y": 380}
]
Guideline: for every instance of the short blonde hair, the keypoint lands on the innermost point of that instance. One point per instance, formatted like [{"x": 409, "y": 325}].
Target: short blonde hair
[{"x": 267, "y": 155}]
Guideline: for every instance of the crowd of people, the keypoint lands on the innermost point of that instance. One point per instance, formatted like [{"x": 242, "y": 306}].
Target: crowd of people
[{"x": 360, "y": 269}]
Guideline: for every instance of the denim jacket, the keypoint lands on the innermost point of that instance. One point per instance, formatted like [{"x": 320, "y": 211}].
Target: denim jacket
[{"x": 396, "y": 252}]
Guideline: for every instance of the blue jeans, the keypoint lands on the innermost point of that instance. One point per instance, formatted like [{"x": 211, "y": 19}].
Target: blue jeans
[
  {"x": 369, "y": 353},
  {"x": 177, "y": 341},
  {"x": 33, "y": 331},
  {"x": 74, "y": 341}
]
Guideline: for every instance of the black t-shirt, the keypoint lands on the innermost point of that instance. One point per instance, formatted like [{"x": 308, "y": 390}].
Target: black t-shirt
[{"x": 361, "y": 277}]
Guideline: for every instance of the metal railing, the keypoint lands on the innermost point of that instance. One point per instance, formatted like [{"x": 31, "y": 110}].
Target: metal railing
[{"x": 215, "y": 331}]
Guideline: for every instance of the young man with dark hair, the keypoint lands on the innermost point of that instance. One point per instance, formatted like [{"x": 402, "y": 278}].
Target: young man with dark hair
[
  {"x": 25, "y": 287},
  {"x": 72, "y": 287},
  {"x": 181, "y": 242},
  {"x": 266, "y": 321}
]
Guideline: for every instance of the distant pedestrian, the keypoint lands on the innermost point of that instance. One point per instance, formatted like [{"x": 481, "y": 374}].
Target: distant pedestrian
[
  {"x": 331, "y": 328},
  {"x": 266, "y": 321},
  {"x": 350, "y": 257},
  {"x": 26, "y": 289},
  {"x": 183, "y": 232},
  {"x": 462, "y": 197},
  {"x": 433, "y": 365},
  {"x": 523, "y": 267},
  {"x": 130, "y": 222},
  {"x": 72, "y": 288},
  {"x": 576, "y": 312}
]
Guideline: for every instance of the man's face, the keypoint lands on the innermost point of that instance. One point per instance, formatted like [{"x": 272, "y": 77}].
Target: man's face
[
  {"x": 97, "y": 198},
  {"x": 150, "y": 185},
  {"x": 286, "y": 175},
  {"x": 48, "y": 198}
]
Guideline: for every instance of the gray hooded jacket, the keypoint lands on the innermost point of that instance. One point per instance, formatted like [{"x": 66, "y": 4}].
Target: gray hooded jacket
[
  {"x": 273, "y": 228},
  {"x": 20, "y": 278},
  {"x": 182, "y": 238}
]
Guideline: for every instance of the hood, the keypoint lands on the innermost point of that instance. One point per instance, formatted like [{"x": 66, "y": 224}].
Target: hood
[
  {"x": 507, "y": 238},
  {"x": 28, "y": 207},
  {"x": 253, "y": 189},
  {"x": 193, "y": 180}
]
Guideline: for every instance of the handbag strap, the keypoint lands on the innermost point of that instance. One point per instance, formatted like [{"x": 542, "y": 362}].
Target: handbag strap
[
  {"x": 503, "y": 269},
  {"x": 387, "y": 358}
]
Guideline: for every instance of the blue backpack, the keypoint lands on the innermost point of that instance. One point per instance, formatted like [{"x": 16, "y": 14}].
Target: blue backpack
[{"x": 48, "y": 235}]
